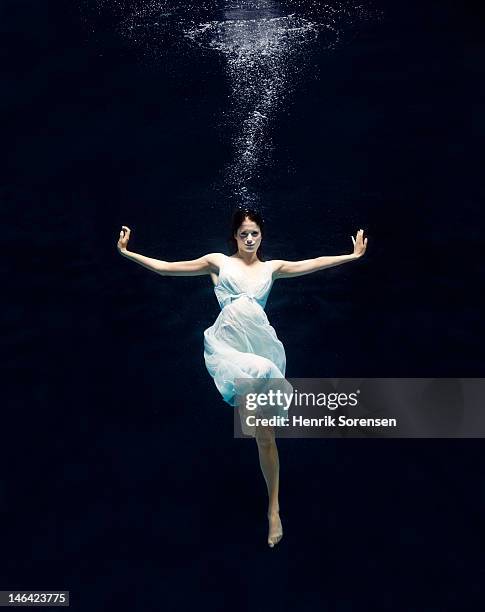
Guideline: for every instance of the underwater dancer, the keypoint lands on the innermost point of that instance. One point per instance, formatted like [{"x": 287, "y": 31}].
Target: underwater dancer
[{"x": 241, "y": 343}]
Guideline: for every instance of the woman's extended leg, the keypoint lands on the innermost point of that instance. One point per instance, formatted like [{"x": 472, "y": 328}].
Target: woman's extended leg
[{"x": 270, "y": 466}]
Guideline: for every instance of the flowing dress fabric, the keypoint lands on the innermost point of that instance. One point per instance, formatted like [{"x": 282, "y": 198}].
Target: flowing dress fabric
[{"x": 242, "y": 344}]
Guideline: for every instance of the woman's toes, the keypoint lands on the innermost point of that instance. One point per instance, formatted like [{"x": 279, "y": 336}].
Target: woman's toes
[{"x": 275, "y": 532}]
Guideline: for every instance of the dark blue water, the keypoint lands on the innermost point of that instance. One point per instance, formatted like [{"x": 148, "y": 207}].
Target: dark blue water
[{"x": 121, "y": 479}]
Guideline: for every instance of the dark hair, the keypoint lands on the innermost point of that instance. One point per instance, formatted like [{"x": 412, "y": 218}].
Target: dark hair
[{"x": 238, "y": 217}]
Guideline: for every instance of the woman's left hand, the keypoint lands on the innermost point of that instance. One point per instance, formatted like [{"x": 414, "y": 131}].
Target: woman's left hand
[{"x": 360, "y": 244}]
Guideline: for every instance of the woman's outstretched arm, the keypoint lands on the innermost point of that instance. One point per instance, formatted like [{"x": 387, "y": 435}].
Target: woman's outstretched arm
[
  {"x": 287, "y": 269},
  {"x": 195, "y": 267}
]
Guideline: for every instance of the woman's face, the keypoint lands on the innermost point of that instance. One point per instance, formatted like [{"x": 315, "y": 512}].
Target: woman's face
[{"x": 248, "y": 236}]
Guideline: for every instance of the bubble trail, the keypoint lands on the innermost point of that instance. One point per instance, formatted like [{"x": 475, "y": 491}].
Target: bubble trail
[
  {"x": 263, "y": 48},
  {"x": 267, "y": 46}
]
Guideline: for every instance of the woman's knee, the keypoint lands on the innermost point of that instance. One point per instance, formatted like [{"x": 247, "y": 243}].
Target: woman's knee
[{"x": 264, "y": 437}]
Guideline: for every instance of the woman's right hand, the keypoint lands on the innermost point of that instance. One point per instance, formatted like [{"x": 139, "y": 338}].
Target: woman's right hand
[{"x": 123, "y": 239}]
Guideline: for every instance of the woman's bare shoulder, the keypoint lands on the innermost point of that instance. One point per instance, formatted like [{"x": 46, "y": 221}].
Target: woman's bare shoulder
[
  {"x": 215, "y": 259},
  {"x": 275, "y": 264}
]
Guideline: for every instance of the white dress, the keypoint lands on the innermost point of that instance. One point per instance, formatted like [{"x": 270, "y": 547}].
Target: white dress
[{"x": 242, "y": 344}]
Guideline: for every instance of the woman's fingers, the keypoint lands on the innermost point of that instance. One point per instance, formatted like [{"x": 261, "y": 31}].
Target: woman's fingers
[
  {"x": 360, "y": 243},
  {"x": 124, "y": 236}
]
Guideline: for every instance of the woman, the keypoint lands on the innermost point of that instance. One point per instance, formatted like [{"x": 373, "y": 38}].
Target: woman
[{"x": 242, "y": 344}]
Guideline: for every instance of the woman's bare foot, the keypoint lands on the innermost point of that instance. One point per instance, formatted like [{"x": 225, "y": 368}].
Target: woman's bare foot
[{"x": 275, "y": 532}]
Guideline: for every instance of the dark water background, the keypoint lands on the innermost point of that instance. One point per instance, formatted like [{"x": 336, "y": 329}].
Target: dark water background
[{"x": 121, "y": 479}]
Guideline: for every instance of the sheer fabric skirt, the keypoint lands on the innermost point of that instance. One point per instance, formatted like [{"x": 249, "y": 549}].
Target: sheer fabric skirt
[{"x": 240, "y": 345}]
